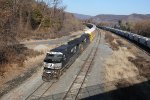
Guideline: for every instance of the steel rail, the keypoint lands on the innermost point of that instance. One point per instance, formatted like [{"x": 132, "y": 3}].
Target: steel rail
[{"x": 87, "y": 64}]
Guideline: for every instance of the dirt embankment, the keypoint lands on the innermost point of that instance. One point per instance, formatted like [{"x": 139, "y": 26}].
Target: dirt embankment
[
  {"x": 15, "y": 74},
  {"x": 126, "y": 67}
]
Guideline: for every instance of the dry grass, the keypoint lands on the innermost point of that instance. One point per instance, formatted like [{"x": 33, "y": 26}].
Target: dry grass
[
  {"x": 142, "y": 64},
  {"x": 13, "y": 70},
  {"x": 118, "y": 67},
  {"x": 113, "y": 41},
  {"x": 14, "y": 55},
  {"x": 125, "y": 68},
  {"x": 110, "y": 39},
  {"x": 126, "y": 62}
]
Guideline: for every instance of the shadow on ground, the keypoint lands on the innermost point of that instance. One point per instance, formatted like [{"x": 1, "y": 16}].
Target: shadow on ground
[{"x": 140, "y": 91}]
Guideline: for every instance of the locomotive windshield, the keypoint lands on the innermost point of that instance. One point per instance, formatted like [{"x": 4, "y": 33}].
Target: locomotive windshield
[{"x": 53, "y": 58}]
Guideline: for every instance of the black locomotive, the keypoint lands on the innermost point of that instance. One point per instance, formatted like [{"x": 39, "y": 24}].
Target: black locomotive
[{"x": 56, "y": 59}]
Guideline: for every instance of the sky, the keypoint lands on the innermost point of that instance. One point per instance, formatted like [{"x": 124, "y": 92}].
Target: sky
[{"x": 118, "y": 7}]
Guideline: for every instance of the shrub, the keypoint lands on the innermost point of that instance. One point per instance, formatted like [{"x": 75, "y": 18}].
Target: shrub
[
  {"x": 36, "y": 18},
  {"x": 141, "y": 28}
]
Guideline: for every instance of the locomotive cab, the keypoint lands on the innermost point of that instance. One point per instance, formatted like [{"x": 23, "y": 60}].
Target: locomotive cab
[{"x": 53, "y": 60}]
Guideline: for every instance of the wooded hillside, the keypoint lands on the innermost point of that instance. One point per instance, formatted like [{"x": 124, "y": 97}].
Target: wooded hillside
[{"x": 30, "y": 19}]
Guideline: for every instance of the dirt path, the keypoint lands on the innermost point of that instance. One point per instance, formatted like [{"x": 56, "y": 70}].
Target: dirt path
[{"x": 53, "y": 41}]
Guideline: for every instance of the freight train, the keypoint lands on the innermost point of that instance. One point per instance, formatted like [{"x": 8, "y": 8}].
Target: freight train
[
  {"x": 57, "y": 59},
  {"x": 144, "y": 41}
]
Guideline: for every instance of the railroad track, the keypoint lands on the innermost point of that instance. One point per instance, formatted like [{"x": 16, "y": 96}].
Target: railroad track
[
  {"x": 138, "y": 46},
  {"x": 48, "y": 85},
  {"x": 45, "y": 86},
  {"x": 76, "y": 86}
]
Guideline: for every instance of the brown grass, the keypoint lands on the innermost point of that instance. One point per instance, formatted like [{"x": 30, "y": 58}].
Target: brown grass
[
  {"x": 15, "y": 54},
  {"x": 114, "y": 41},
  {"x": 142, "y": 64},
  {"x": 118, "y": 66},
  {"x": 125, "y": 68},
  {"x": 110, "y": 39}
]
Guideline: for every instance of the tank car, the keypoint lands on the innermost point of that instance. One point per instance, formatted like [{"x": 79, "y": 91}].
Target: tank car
[{"x": 136, "y": 37}]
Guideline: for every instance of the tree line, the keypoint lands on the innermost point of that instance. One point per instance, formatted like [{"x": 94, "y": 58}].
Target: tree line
[{"x": 141, "y": 27}]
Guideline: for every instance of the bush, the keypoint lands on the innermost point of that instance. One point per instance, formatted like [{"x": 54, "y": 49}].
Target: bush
[
  {"x": 36, "y": 18},
  {"x": 15, "y": 54},
  {"x": 141, "y": 28}
]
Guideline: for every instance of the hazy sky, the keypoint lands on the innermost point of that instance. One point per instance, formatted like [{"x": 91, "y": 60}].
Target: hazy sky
[{"x": 94, "y": 7}]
